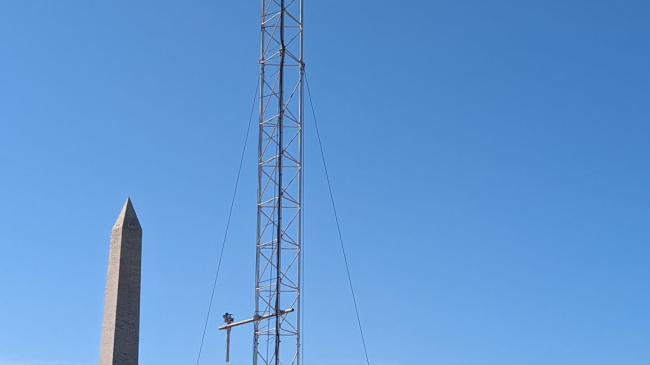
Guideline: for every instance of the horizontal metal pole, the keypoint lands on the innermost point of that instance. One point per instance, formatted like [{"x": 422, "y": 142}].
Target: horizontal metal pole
[{"x": 253, "y": 319}]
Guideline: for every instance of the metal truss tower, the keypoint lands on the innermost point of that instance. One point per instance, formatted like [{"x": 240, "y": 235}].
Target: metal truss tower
[
  {"x": 280, "y": 185},
  {"x": 279, "y": 189}
]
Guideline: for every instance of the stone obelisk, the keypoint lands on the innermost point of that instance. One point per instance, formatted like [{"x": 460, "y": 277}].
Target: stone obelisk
[{"x": 121, "y": 327}]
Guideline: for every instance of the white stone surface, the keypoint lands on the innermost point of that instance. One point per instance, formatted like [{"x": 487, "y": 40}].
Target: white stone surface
[{"x": 121, "y": 326}]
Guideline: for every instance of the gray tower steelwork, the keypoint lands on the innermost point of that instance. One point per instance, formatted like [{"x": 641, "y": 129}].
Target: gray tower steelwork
[
  {"x": 279, "y": 200},
  {"x": 279, "y": 189}
]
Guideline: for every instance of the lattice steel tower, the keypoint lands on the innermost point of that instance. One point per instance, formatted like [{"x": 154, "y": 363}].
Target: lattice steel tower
[
  {"x": 280, "y": 185},
  {"x": 280, "y": 188}
]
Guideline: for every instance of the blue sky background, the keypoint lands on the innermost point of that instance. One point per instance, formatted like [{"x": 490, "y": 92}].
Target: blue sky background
[{"x": 489, "y": 159}]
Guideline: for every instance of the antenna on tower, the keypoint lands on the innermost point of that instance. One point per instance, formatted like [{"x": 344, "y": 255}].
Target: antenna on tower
[{"x": 279, "y": 188}]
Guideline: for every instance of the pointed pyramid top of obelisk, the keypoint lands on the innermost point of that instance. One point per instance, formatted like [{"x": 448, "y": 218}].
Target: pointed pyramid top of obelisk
[{"x": 127, "y": 217}]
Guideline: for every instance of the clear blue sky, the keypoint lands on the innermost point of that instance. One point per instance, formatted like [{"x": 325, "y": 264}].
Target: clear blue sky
[{"x": 490, "y": 160}]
